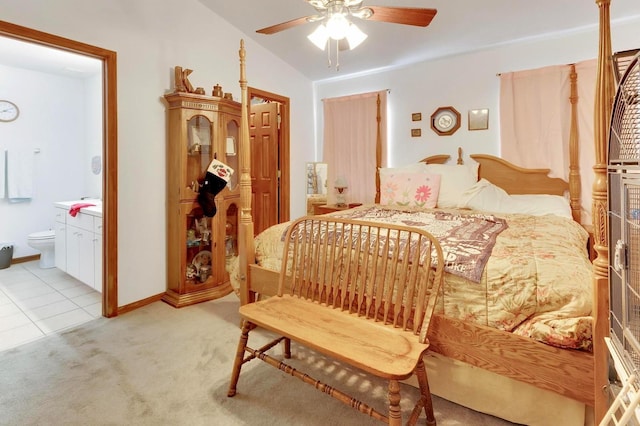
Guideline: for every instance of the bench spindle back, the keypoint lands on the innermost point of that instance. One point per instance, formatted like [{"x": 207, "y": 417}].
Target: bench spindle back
[{"x": 384, "y": 272}]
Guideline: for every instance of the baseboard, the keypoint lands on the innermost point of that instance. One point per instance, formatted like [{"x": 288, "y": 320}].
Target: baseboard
[
  {"x": 139, "y": 304},
  {"x": 24, "y": 259}
]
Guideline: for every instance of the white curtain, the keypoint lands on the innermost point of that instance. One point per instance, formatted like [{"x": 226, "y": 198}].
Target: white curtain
[
  {"x": 350, "y": 141},
  {"x": 535, "y": 121}
]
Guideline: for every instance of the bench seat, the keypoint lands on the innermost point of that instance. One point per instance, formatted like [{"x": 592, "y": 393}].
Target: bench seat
[{"x": 383, "y": 350}]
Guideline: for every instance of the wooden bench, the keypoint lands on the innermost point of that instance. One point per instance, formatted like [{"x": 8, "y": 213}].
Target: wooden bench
[{"x": 360, "y": 292}]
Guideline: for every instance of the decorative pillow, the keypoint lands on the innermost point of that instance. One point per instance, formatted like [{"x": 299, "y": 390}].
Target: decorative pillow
[
  {"x": 412, "y": 189},
  {"x": 486, "y": 196},
  {"x": 455, "y": 179}
]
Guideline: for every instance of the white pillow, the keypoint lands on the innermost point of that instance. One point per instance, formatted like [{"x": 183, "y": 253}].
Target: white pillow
[
  {"x": 455, "y": 180},
  {"x": 488, "y": 197},
  {"x": 409, "y": 168}
]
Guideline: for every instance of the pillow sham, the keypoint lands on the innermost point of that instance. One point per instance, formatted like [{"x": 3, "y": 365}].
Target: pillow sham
[
  {"x": 488, "y": 197},
  {"x": 455, "y": 179},
  {"x": 409, "y": 189}
]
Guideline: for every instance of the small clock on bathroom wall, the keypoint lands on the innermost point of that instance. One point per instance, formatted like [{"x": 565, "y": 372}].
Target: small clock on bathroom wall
[{"x": 9, "y": 111}]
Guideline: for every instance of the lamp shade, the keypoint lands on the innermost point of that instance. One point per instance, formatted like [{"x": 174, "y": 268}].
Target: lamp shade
[{"x": 341, "y": 182}]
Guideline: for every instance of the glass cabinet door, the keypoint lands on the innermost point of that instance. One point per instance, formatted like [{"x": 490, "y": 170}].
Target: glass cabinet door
[
  {"x": 200, "y": 151},
  {"x": 231, "y": 152}
]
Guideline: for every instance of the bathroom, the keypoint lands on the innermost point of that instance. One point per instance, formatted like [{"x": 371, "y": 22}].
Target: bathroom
[{"x": 56, "y": 138}]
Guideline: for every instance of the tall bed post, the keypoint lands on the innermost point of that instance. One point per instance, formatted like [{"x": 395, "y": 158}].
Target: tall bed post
[
  {"x": 245, "y": 231},
  {"x": 378, "y": 149},
  {"x": 574, "y": 150},
  {"x": 605, "y": 91}
]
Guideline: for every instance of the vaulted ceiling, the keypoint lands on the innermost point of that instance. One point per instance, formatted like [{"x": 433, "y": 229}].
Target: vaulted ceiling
[{"x": 459, "y": 26}]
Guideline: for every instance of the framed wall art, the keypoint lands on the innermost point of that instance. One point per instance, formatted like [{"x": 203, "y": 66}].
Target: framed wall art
[
  {"x": 416, "y": 133},
  {"x": 479, "y": 119},
  {"x": 416, "y": 116}
]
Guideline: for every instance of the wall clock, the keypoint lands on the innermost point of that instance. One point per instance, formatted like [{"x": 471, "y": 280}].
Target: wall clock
[
  {"x": 8, "y": 111},
  {"x": 445, "y": 121}
]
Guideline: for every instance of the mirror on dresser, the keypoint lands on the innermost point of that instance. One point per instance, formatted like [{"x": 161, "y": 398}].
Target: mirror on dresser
[{"x": 316, "y": 174}]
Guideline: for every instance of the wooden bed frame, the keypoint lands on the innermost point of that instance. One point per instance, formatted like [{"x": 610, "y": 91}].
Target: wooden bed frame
[{"x": 578, "y": 375}]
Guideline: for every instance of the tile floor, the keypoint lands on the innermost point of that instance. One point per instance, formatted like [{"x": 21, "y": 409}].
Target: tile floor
[{"x": 36, "y": 302}]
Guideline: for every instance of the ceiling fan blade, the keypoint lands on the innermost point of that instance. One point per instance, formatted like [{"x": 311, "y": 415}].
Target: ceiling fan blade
[
  {"x": 417, "y": 16},
  {"x": 283, "y": 26}
]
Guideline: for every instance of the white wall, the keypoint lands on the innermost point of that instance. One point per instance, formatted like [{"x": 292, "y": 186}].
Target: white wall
[
  {"x": 51, "y": 121},
  {"x": 466, "y": 81},
  {"x": 150, "y": 38}
]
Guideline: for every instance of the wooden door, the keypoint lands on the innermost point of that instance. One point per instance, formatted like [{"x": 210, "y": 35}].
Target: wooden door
[{"x": 264, "y": 137}]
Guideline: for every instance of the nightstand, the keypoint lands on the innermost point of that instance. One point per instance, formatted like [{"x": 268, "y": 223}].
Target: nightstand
[{"x": 330, "y": 208}]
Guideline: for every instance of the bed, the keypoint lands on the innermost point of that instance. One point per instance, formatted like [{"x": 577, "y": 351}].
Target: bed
[{"x": 565, "y": 374}]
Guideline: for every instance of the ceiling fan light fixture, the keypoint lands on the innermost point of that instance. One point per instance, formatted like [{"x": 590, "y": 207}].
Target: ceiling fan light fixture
[
  {"x": 337, "y": 26},
  {"x": 355, "y": 36},
  {"x": 319, "y": 37}
]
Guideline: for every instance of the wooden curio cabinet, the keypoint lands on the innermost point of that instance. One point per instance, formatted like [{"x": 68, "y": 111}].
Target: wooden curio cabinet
[{"x": 199, "y": 248}]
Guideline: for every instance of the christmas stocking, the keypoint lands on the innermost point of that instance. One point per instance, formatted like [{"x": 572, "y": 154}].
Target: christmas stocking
[{"x": 217, "y": 177}]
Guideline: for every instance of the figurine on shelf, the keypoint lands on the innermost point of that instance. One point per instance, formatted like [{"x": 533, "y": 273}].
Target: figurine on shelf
[
  {"x": 181, "y": 77},
  {"x": 192, "y": 271}
]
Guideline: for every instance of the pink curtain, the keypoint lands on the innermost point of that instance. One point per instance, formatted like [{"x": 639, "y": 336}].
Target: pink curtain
[
  {"x": 350, "y": 140},
  {"x": 535, "y": 121}
]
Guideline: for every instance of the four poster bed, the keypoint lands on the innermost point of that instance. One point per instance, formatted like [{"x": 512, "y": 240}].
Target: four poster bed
[{"x": 568, "y": 369}]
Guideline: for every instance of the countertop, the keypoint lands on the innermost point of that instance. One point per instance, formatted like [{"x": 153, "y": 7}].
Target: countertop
[{"x": 93, "y": 210}]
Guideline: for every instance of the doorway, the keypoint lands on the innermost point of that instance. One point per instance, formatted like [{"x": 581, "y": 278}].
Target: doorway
[
  {"x": 276, "y": 206},
  {"x": 109, "y": 150}
]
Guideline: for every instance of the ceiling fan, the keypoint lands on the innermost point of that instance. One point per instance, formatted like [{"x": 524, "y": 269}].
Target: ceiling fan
[{"x": 326, "y": 9}]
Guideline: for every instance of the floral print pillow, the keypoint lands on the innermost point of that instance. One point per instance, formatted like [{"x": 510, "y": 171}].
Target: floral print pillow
[{"x": 409, "y": 189}]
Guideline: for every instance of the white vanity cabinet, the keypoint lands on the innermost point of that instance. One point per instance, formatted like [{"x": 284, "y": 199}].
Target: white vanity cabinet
[
  {"x": 78, "y": 247},
  {"x": 97, "y": 253},
  {"x": 80, "y": 236},
  {"x": 61, "y": 238}
]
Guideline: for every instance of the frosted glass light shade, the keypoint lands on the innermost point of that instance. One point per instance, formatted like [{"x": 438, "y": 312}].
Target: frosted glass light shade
[
  {"x": 355, "y": 36},
  {"x": 319, "y": 37},
  {"x": 337, "y": 26}
]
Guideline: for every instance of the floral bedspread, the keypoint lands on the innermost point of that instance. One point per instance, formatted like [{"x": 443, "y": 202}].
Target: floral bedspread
[{"x": 537, "y": 282}]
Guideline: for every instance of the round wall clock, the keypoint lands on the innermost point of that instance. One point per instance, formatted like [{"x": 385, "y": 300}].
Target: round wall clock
[
  {"x": 8, "y": 111},
  {"x": 445, "y": 121}
]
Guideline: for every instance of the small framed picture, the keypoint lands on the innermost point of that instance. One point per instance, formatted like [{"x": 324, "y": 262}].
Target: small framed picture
[
  {"x": 416, "y": 133},
  {"x": 416, "y": 116},
  {"x": 479, "y": 119}
]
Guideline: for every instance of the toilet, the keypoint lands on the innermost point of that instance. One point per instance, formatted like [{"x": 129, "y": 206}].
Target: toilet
[{"x": 44, "y": 242}]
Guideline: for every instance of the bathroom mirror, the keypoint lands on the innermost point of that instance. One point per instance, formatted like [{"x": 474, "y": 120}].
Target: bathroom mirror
[{"x": 316, "y": 174}]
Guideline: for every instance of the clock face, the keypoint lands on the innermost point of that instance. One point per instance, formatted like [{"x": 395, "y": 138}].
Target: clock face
[
  {"x": 445, "y": 121},
  {"x": 8, "y": 111}
]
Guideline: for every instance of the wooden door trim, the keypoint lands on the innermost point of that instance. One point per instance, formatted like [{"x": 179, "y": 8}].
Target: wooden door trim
[
  {"x": 283, "y": 152},
  {"x": 109, "y": 150}
]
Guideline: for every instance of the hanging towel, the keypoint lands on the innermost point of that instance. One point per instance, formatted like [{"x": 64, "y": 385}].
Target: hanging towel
[
  {"x": 19, "y": 169},
  {"x": 3, "y": 172},
  {"x": 75, "y": 208}
]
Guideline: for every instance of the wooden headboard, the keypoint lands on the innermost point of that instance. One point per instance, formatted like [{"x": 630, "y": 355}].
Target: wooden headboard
[{"x": 514, "y": 179}]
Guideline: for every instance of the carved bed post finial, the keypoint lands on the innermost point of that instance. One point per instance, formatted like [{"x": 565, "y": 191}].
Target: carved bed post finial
[{"x": 459, "y": 161}]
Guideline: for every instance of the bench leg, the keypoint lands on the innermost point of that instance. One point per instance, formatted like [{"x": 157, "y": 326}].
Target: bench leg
[
  {"x": 287, "y": 348},
  {"x": 395, "y": 415},
  {"x": 425, "y": 392},
  {"x": 239, "y": 360}
]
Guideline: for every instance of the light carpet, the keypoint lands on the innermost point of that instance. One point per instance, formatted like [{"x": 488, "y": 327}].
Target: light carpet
[{"x": 159, "y": 365}]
